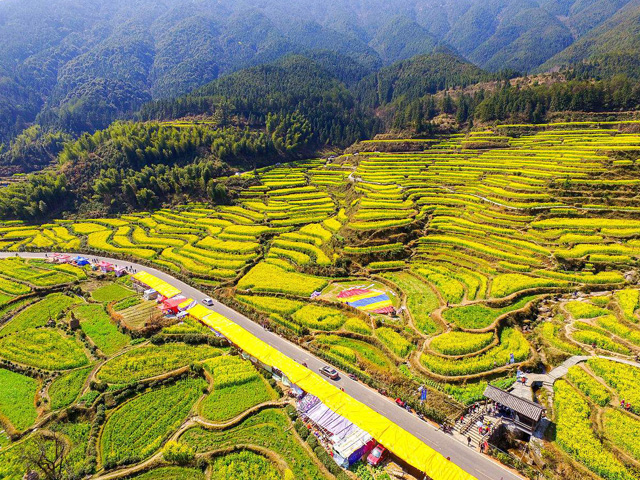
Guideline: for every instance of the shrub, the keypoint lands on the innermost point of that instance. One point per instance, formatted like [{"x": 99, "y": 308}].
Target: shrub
[{"x": 178, "y": 453}]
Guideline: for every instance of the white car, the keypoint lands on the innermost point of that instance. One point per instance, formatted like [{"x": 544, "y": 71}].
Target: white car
[{"x": 208, "y": 302}]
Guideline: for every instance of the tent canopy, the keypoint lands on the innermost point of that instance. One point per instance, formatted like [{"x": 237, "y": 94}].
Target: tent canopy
[
  {"x": 403, "y": 444},
  {"x": 160, "y": 286},
  {"x": 174, "y": 302}
]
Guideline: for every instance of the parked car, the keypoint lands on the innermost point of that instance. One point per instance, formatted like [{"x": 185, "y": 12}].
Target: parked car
[
  {"x": 353, "y": 377},
  {"x": 208, "y": 302},
  {"x": 332, "y": 373},
  {"x": 400, "y": 403},
  {"x": 377, "y": 455}
]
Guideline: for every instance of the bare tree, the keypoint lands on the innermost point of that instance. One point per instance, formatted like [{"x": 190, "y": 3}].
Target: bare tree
[{"x": 48, "y": 456}]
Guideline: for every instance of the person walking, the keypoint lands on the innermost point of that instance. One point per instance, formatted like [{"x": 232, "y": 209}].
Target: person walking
[{"x": 468, "y": 441}]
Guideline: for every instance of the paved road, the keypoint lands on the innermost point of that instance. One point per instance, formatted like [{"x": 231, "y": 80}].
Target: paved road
[{"x": 469, "y": 459}]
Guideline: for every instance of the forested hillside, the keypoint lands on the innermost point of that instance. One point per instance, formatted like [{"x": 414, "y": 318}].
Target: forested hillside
[
  {"x": 77, "y": 66},
  {"x": 295, "y": 85}
]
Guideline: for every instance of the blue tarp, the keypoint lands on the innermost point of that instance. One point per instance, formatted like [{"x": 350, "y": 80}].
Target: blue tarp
[{"x": 81, "y": 261}]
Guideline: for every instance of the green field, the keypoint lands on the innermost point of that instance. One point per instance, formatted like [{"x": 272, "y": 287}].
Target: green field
[
  {"x": 43, "y": 348},
  {"x": 67, "y": 387},
  {"x": 137, "y": 429},
  {"x": 236, "y": 388},
  {"x": 17, "y": 399},
  {"x": 95, "y": 322},
  {"x": 150, "y": 360},
  {"x": 38, "y": 314}
]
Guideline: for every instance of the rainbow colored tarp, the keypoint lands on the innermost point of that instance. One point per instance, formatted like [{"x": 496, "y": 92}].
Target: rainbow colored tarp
[
  {"x": 372, "y": 301},
  {"x": 403, "y": 444}
]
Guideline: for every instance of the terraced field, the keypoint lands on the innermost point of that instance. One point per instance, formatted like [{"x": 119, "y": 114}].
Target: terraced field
[
  {"x": 406, "y": 269},
  {"x": 115, "y": 401}
]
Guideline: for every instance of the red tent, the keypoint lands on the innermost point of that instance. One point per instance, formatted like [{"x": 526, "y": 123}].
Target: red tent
[
  {"x": 105, "y": 266},
  {"x": 352, "y": 292},
  {"x": 170, "y": 305}
]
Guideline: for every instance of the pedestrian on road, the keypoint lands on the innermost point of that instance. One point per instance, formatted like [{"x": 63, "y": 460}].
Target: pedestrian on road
[{"x": 468, "y": 441}]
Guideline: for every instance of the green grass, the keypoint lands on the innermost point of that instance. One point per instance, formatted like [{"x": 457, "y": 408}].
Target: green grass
[
  {"x": 111, "y": 293},
  {"x": 173, "y": 473},
  {"x": 421, "y": 299},
  {"x": 479, "y": 316},
  {"x": 17, "y": 400},
  {"x": 151, "y": 360},
  {"x": 97, "y": 324},
  {"x": 43, "y": 348},
  {"x": 38, "y": 314},
  {"x": 138, "y": 428},
  {"x": 65, "y": 389},
  {"x": 236, "y": 388}
]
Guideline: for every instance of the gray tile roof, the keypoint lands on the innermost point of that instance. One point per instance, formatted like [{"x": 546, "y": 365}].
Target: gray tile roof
[{"x": 520, "y": 405}]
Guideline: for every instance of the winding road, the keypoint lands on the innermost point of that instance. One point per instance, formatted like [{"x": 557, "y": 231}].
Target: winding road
[{"x": 469, "y": 459}]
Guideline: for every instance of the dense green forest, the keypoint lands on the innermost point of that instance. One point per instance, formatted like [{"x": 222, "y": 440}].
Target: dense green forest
[
  {"x": 514, "y": 103},
  {"x": 131, "y": 110},
  {"x": 138, "y": 165},
  {"x": 295, "y": 84},
  {"x": 77, "y": 66}
]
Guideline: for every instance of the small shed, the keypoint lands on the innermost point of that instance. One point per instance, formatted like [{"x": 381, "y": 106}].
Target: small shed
[
  {"x": 526, "y": 414},
  {"x": 120, "y": 271},
  {"x": 150, "y": 294}
]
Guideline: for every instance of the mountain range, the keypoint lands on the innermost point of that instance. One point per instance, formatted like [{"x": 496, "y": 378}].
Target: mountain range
[{"x": 77, "y": 65}]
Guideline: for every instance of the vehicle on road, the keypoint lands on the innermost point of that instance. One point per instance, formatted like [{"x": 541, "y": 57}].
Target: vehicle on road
[
  {"x": 208, "y": 302},
  {"x": 332, "y": 373},
  {"x": 377, "y": 455},
  {"x": 401, "y": 403}
]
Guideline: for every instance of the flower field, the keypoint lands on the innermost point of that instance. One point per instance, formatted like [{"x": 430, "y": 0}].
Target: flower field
[
  {"x": 624, "y": 431},
  {"x": 66, "y": 388},
  {"x": 150, "y": 360},
  {"x": 589, "y": 386},
  {"x": 43, "y": 348},
  {"x": 511, "y": 342},
  {"x": 575, "y": 436},
  {"x": 482, "y": 253},
  {"x": 244, "y": 466},
  {"x": 623, "y": 379},
  {"x": 39, "y": 313},
  {"x": 137, "y": 429},
  {"x": 17, "y": 399},
  {"x": 172, "y": 473},
  {"x": 460, "y": 343},
  {"x": 266, "y": 428},
  {"x": 236, "y": 388}
]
